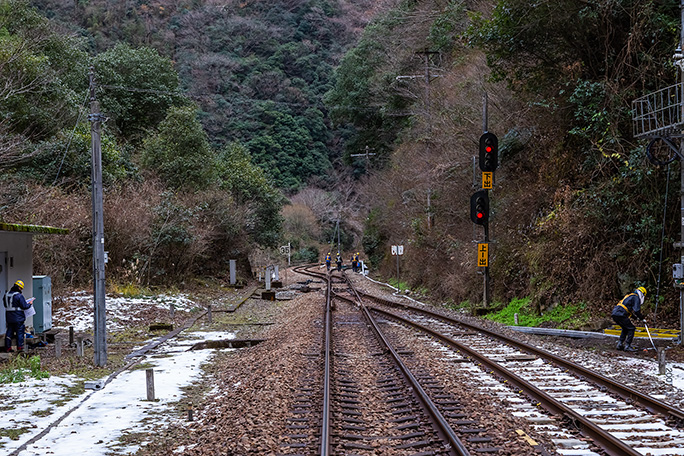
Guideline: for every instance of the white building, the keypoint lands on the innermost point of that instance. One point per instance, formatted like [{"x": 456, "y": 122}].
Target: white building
[{"x": 16, "y": 260}]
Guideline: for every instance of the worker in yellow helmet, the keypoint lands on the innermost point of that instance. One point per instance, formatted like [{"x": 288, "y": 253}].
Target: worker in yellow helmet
[
  {"x": 629, "y": 306},
  {"x": 15, "y": 304}
]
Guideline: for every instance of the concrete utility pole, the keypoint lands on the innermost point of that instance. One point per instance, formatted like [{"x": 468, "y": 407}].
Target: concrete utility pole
[
  {"x": 428, "y": 119},
  {"x": 427, "y": 77},
  {"x": 100, "y": 336},
  {"x": 366, "y": 154}
]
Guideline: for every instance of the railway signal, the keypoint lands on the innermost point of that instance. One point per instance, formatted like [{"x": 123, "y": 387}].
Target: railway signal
[
  {"x": 489, "y": 152},
  {"x": 479, "y": 207}
]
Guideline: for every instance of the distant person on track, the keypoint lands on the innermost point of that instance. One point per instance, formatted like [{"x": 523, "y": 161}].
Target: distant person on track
[
  {"x": 355, "y": 262},
  {"x": 328, "y": 261},
  {"x": 628, "y": 307},
  {"x": 15, "y": 305},
  {"x": 338, "y": 260}
]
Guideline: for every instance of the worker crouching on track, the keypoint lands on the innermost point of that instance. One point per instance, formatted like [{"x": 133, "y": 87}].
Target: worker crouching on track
[{"x": 629, "y": 306}]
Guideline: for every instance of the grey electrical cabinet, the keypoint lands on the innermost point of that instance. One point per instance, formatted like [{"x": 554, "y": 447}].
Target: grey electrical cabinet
[{"x": 42, "y": 291}]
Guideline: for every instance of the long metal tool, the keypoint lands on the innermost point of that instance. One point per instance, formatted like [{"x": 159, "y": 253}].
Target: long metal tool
[{"x": 649, "y": 336}]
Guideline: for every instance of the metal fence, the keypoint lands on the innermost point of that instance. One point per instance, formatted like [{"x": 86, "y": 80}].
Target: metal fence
[{"x": 658, "y": 112}]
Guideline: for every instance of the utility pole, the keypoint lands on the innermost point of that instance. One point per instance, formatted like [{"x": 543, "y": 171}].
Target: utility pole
[
  {"x": 100, "y": 325},
  {"x": 659, "y": 116},
  {"x": 427, "y": 77},
  {"x": 428, "y": 119},
  {"x": 681, "y": 168},
  {"x": 367, "y": 154}
]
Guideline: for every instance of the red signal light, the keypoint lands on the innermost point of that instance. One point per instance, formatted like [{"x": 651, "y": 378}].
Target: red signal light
[
  {"x": 488, "y": 149},
  {"x": 479, "y": 215}
]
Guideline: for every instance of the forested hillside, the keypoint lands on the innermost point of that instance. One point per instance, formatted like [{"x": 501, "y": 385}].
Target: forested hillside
[
  {"x": 213, "y": 111},
  {"x": 218, "y": 110}
]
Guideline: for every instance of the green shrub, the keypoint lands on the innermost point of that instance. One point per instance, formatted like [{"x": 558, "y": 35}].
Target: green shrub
[
  {"x": 20, "y": 367},
  {"x": 563, "y": 316}
]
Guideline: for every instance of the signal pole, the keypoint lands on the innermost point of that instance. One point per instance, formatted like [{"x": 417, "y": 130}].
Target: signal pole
[
  {"x": 485, "y": 127},
  {"x": 100, "y": 326}
]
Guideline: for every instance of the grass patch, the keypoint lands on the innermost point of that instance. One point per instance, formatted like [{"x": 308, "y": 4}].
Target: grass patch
[
  {"x": 567, "y": 316},
  {"x": 130, "y": 290},
  {"x": 20, "y": 368},
  {"x": 13, "y": 434},
  {"x": 142, "y": 366}
]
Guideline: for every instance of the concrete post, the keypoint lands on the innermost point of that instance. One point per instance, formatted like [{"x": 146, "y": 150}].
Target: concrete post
[
  {"x": 71, "y": 335},
  {"x": 79, "y": 346},
  {"x": 268, "y": 278},
  {"x": 662, "y": 365},
  {"x": 515, "y": 318},
  {"x": 233, "y": 279},
  {"x": 172, "y": 310},
  {"x": 277, "y": 274},
  {"x": 149, "y": 377},
  {"x": 209, "y": 320},
  {"x": 58, "y": 348}
]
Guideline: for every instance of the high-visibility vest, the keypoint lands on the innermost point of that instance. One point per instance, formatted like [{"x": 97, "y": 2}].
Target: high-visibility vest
[
  {"x": 7, "y": 301},
  {"x": 624, "y": 306}
]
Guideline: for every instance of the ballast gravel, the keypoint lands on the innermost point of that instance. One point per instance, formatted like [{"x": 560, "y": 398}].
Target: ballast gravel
[{"x": 241, "y": 406}]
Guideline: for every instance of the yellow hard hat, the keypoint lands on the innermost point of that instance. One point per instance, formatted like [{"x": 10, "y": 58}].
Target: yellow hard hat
[
  {"x": 643, "y": 290},
  {"x": 20, "y": 284}
]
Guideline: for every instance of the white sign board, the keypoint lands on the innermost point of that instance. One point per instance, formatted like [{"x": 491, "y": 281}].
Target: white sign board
[
  {"x": 397, "y": 250},
  {"x": 285, "y": 250}
]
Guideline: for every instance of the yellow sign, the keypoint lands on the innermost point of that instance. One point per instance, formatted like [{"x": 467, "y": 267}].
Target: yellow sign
[
  {"x": 487, "y": 180},
  {"x": 482, "y": 255}
]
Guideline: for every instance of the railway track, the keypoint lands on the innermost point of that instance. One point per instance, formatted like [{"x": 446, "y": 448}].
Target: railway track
[
  {"x": 618, "y": 419},
  {"x": 396, "y": 379},
  {"x": 376, "y": 404}
]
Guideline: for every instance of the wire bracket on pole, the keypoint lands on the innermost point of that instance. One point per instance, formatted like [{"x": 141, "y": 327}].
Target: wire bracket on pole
[{"x": 668, "y": 142}]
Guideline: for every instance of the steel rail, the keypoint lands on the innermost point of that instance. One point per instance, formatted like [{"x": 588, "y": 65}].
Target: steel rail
[
  {"x": 649, "y": 403},
  {"x": 612, "y": 445},
  {"x": 325, "y": 418},
  {"x": 325, "y": 413},
  {"x": 441, "y": 425}
]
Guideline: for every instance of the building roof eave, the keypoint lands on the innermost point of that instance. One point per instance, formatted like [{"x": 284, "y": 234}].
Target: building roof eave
[{"x": 34, "y": 229}]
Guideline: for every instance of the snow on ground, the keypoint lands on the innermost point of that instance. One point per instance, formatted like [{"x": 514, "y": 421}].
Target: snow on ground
[
  {"x": 79, "y": 313},
  {"x": 94, "y": 421}
]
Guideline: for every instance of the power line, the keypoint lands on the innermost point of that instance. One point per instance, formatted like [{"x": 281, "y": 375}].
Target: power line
[{"x": 71, "y": 137}]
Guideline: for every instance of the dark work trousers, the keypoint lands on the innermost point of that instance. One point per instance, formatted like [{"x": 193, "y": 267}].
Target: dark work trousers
[
  {"x": 13, "y": 329},
  {"x": 628, "y": 329}
]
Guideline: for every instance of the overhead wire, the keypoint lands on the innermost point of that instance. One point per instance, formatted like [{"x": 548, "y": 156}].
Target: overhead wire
[{"x": 71, "y": 137}]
